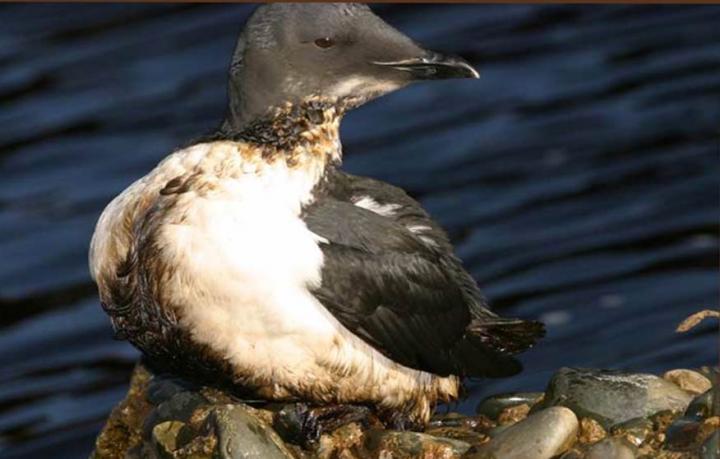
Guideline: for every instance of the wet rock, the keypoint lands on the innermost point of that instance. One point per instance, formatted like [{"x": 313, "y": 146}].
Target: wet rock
[
  {"x": 494, "y": 405},
  {"x": 689, "y": 434},
  {"x": 241, "y": 434},
  {"x": 179, "y": 407},
  {"x": 711, "y": 448},
  {"x": 542, "y": 435},
  {"x": 611, "y": 397},
  {"x": 471, "y": 437},
  {"x": 661, "y": 421},
  {"x": 407, "y": 445},
  {"x": 479, "y": 423},
  {"x": 165, "y": 418},
  {"x": 681, "y": 434},
  {"x": 636, "y": 431},
  {"x": 590, "y": 431},
  {"x": 688, "y": 380},
  {"x": 611, "y": 448},
  {"x": 701, "y": 406}
]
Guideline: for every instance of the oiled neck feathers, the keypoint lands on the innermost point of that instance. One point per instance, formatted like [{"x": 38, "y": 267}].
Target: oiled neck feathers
[{"x": 311, "y": 127}]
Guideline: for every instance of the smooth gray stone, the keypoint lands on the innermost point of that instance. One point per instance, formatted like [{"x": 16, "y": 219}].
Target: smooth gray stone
[
  {"x": 241, "y": 435},
  {"x": 711, "y": 448},
  {"x": 542, "y": 435},
  {"x": 492, "y": 406},
  {"x": 611, "y": 397},
  {"x": 638, "y": 430},
  {"x": 610, "y": 448}
]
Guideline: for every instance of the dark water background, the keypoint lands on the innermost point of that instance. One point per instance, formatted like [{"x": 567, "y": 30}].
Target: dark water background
[{"x": 578, "y": 178}]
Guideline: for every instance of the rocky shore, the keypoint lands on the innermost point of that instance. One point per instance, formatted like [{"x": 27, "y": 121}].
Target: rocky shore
[{"x": 583, "y": 413}]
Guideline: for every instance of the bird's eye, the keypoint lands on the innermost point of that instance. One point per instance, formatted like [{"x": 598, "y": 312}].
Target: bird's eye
[{"x": 324, "y": 42}]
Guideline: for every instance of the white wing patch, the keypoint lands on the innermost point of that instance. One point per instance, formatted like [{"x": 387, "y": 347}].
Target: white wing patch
[
  {"x": 366, "y": 202},
  {"x": 388, "y": 210},
  {"x": 419, "y": 229}
]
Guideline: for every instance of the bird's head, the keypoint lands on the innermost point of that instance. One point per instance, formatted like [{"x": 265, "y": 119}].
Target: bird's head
[{"x": 344, "y": 53}]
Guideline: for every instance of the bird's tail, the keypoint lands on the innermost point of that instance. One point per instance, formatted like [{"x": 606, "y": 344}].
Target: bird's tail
[
  {"x": 489, "y": 345},
  {"x": 507, "y": 336}
]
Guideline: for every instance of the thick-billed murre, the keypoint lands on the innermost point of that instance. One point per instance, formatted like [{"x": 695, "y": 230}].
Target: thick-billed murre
[{"x": 250, "y": 260}]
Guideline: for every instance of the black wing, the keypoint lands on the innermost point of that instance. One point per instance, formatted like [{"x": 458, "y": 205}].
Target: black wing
[
  {"x": 408, "y": 213},
  {"x": 408, "y": 298}
]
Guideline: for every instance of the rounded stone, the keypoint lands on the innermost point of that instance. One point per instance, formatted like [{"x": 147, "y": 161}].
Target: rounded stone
[
  {"x": 636, "y": 431},
  {"x": 492, "y": 406},
  {"x": 542, "y": 435},
  {"x": 610, "y": 448},
  {"x": 701, "y": 406},
  {"x": 241, "y": 435},
  {"x": 611, "y": 397},
  {"x": 688, "y": 380},
  {"x": 479, "y": 423}
]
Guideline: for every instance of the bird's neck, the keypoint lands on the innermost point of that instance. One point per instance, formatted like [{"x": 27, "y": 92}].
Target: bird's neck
[{"x": 310, "y": 128}]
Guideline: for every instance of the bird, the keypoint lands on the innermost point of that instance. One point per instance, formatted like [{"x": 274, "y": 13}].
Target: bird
[{"x": 251, "y": 260}]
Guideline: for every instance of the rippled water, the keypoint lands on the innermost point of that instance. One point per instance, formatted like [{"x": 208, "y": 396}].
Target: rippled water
[{"x": 578, "y": 178}]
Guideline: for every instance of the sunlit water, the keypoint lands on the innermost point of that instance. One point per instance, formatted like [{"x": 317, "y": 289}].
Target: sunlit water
[{"x": 578, "y": 179}]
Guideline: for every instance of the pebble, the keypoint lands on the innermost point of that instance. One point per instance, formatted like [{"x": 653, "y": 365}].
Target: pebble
[
  {"x": 241, "y": 435},
  {"x": 701, "y": 406},
  {"x": 494, "y": 405},
  {"x": 611, "y": 448},
  {"x": 178, "y": 407},
  {"x": 396, "y": 444},
  {"x": 681, "y": 434},
  {"x": 637, "y": 431},
  {"x": 688, "y": 380},
  {"x": 612, "y": 397},
  {"x": 164, "y": 419},
  {"x": 542, "y": 435}
]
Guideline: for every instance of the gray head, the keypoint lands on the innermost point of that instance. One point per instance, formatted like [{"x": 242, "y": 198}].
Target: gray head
[{"x": 289, "y": 52}]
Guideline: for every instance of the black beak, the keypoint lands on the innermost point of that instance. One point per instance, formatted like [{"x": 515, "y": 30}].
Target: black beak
[{"x": 433, "y": 66}]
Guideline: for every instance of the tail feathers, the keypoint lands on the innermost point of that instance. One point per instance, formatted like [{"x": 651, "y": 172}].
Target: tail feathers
[
  {"x": 506, "y": 336},
  {"x": 489, "y": 344}
]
